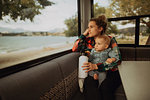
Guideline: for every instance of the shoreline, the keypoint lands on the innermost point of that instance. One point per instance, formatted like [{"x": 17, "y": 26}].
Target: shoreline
[{"x": 14, "y": 58}]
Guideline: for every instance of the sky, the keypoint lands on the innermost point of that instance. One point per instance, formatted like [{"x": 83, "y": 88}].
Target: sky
[
  {"x": 103, "y": 3},
  {"x": 51, "y": 18}
]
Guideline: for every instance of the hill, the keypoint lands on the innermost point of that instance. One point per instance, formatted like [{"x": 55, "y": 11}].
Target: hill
[
  {"x": 20, "y": 30},
  {"x": 131, "y": 30}
]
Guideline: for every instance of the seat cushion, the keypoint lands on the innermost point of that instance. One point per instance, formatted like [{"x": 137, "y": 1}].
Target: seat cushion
[
  {"x": 127, "y": 53},
  {"x": 41, "y": 81},
  {"x": 143, "y": 53},
  {"x": 69, "y": 67},
  {"x": 120, "y": 93},
  {"x": 77, "y": 96}
]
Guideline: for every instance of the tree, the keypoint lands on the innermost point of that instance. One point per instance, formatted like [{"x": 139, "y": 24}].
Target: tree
[
  {"x": 112, "y": 28},
  {"x": 72, "y": 26},
  {"x": 98, "y": 10},
  {"x": 22, "y": 9},
  {"x": 72, "y": 23},
  {"x": 148, "y": 30},
  {"x": 131, "y": 8}
]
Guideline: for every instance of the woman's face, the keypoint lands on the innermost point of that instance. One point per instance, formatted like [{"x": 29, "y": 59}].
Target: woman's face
[{"x": 94, "y": 31}]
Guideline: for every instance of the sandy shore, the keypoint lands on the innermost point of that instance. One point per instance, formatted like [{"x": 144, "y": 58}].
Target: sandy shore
[{"x": 23, "y": 56}]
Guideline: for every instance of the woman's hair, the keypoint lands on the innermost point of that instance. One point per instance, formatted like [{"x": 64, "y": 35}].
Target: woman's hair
[{"x": 101, "y": 21}]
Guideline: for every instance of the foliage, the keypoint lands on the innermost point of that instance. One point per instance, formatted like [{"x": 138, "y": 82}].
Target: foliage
[
  {"x": 72, "y": 23},
  {"x": 130, "y": 7},
  {"x": 112, "y": 28},
  {"x": 22, "y": 9},
  {"x": 148, "y": 31},
  {"x": 72, "y": 26},
  {"x": 123, "y": 8},
  {"x": 98, "y": 10}
]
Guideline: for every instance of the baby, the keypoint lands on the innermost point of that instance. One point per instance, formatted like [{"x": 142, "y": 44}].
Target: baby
[{"x": 101, "y": 53}]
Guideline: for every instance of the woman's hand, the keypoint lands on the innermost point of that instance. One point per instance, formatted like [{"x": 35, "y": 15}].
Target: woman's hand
[
  {"x": 86, "y": 32},
  {"x": 89, "y": 66}
]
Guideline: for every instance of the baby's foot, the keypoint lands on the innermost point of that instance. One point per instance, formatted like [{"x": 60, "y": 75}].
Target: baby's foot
[{"x": 95, "y": 77}]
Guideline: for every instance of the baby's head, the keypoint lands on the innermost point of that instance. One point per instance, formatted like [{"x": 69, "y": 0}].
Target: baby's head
[{"x": 101, "y": 43}]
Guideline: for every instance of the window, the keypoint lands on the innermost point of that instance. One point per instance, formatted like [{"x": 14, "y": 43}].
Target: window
[
  {"x": 124, "y": 34},
  {"x": 144, "y": 38},
  {"x": 52, "y": 31},
  {"x": 123, "y": 18},
  {"x": 121, "y": 8}
]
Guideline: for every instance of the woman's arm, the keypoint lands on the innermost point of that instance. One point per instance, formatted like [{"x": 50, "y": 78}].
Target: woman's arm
[{"x": 80, "y": 43}]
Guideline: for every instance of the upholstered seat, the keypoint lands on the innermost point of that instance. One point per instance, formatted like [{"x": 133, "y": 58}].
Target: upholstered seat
[{"x": 57, "y": 79}]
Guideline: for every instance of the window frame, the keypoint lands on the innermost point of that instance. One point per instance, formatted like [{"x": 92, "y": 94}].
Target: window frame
[
  {"x": 32, "y": 63},
  {"x": 137, "y": 29}
]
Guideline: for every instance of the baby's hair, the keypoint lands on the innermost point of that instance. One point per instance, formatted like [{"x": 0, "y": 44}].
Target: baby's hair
[
  {"x": 101, "y": 21},
  {"x": 105, "y": 38}
]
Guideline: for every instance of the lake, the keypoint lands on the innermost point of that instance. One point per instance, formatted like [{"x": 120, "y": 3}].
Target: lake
[{"x": 21, "y": 43}]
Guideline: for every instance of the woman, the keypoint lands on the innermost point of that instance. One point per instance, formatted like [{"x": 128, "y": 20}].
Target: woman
[{"x": 97, "y": 27}]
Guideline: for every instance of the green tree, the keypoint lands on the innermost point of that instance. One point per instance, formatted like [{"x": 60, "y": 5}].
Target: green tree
[
  {"x": 72, "y": 23},
  {"x": 131, "y": 8},
  {"x": 112, "y": 28},
  {"x": 98, "y": 10},
  {"x": 72, "y": 26},
  {"x": 22, "y": 9},
  {"x": 148, "y": 30}
]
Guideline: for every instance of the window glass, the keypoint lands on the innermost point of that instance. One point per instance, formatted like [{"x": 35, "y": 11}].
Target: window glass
[
  {"x": 122, "y": 8},
  {"x": 123, "y": 31},
  {"x": 102, "y": 7},
  {"x": 30, "y": 29},
  {"x": 144, "y": 38}
]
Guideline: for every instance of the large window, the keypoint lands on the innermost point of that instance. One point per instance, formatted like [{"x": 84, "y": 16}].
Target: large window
[
  {"x": 126, "y": 30},
  {"x": 121, "y": 8},
  {"x": 25, "y": 34}
]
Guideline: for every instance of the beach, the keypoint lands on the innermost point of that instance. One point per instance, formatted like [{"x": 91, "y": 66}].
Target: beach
[{"x": 14, "y": 58}]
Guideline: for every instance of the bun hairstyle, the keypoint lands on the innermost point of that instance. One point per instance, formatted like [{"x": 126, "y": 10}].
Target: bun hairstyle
[{"x": 101, "y": 21}]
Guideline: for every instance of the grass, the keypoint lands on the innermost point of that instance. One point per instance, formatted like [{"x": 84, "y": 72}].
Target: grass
[{"x": 142, "y": 40}]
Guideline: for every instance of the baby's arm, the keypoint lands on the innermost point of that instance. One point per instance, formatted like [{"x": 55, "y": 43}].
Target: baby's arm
[{"x": 110, "y": 60}]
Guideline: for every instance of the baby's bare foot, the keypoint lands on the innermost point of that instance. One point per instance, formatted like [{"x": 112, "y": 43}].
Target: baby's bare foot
[{"x": 95, "y": 77}]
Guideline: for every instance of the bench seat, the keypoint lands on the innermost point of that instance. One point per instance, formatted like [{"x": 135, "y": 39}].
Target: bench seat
[{"x": 57, "y": 79}]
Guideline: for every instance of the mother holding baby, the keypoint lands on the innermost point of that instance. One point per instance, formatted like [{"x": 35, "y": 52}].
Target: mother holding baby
[{"x": 92, "y": 90}]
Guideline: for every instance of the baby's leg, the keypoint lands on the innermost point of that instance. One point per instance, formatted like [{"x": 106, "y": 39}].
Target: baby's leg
[{"x": 101, "y": 77}]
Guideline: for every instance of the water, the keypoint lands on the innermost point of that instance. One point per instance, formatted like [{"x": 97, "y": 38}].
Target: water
[{"x": 20, "y": 43}]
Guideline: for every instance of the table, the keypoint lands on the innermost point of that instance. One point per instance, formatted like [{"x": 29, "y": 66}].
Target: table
[{"x": 135, "y": 76}]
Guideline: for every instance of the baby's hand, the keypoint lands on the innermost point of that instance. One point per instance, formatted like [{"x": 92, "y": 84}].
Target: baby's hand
[{"x": 109, "y": 60}]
